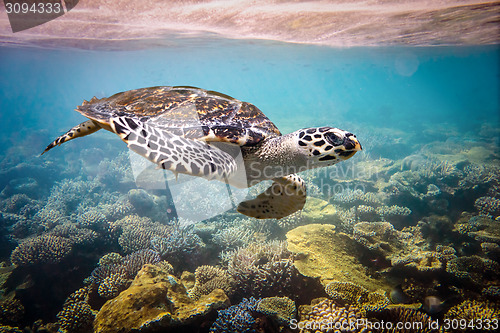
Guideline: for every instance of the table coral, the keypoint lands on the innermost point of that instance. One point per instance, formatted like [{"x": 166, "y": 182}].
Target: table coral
[
  {"x": 155, "y": 300},
  {"x": 322, "y": 252}
]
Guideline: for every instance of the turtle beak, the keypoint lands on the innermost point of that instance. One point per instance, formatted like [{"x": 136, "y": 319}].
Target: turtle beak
[{"x": 351, "y": 145}]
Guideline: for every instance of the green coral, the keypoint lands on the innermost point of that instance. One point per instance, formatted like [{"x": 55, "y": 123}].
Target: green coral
[{"x": 282, "y": 309}]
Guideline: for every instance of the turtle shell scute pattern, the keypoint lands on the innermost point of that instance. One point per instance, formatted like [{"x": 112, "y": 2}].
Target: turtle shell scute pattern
[{"x": 187, "y": 111}]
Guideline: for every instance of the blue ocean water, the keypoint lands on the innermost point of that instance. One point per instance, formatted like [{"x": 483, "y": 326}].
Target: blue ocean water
[
  {"x": 403, "y": 88},
  {"x": 428, "y": 119}
]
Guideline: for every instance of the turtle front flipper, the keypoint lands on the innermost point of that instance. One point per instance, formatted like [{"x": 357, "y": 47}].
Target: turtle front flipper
[
  {"x": 172, "y": 152},
  {"x": 85, "y": 128},
  {"x": 285, "y": 196}
]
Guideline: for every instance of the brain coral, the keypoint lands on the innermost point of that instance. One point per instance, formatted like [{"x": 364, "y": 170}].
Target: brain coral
[{"x": 41, "y": 250}]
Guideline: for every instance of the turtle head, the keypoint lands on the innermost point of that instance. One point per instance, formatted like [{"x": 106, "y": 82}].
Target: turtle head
[{"x": 327, "y": 145}]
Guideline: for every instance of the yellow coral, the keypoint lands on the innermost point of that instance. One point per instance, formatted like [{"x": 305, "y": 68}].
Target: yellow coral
[
  {"x": 281, "y": 308},
  {"x": 155, "y": 300},
  {"x": 346, "y": 292},
  {"x": 473, "y": 310}
]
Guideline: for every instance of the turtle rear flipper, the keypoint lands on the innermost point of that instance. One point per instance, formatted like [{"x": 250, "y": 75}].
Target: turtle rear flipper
[
  {"x": 172, "y": 152},
  {"x": 85, "y": 128},
  {"x": 285, "y": 196}
]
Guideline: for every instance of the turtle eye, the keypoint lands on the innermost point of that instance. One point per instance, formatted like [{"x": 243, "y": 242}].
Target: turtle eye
[{"x": 333, "y": 139}]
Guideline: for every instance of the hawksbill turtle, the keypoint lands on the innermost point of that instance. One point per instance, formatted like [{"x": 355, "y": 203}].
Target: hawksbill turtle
[{"x": 194, "y": 131}]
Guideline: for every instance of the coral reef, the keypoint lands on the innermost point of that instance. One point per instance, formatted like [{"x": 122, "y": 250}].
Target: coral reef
[
  {"x": 472, "y": 268},
  {"x": 472, "y": 311},
  {"x": 237, "y": 318},
  {"x": 11, "y": 311},
  {"x": 262, "y": 269},
  {"x": 75, "y": 317},
  {"x": 413, "y": 321},
  {"x": 323, "y": 315},
  {"x": 281, "y": 309},
  {"x": 233, "y": 237},
  {"x": 348, "y": 293},
  {"x": 209, "y": 278},
  {"x": 181, "y": 246},
  {"x": 322, "y": 252},
  {"x": 138, "y": 232},
  {"x": 488, "y": 206},
  {"x": 155, "y": 300},
  {"x": 114, "y": 272},
  {"x": 40, "y": 250}
]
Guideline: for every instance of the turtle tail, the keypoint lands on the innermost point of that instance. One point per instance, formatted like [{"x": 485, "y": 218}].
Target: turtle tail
[{"x": 85, "y": 128}]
